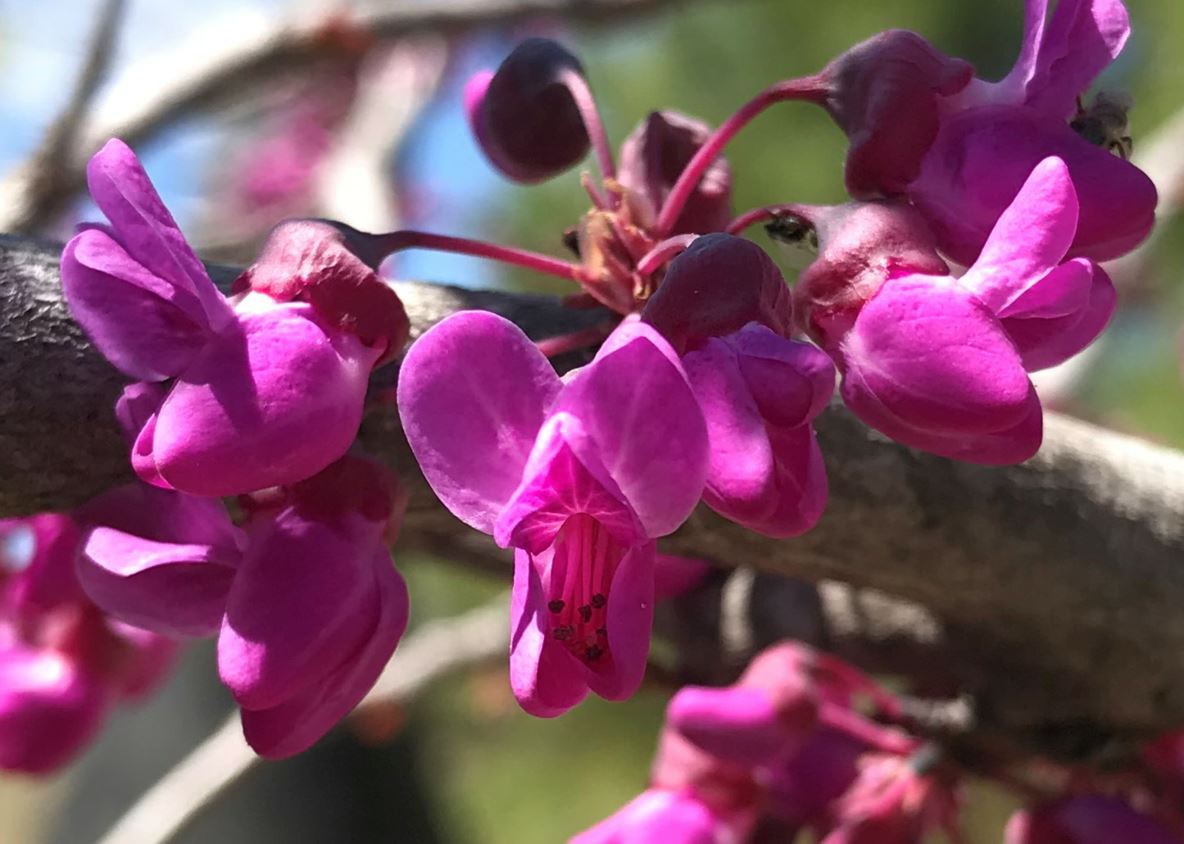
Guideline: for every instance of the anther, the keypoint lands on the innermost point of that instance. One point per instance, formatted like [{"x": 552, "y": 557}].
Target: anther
[
  {"x": 593, "y": 653},
  {"x": 556, "y": 606},
  {"x": 585, "y": 613},
  {"x": 563, "y": 633},
  {"x": 598, "y": 601}
]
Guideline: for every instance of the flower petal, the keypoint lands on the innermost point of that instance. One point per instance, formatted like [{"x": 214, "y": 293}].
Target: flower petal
[
  {"x": 1082, "y": 39},
  {"x": 658, "y": 815},
  {"x": 297, "y": 723},
  {"x": 176, "y": 589},
  {"x": 473, "y": 394},
  {"x": 1012, "y": 444},
  {"x": 146, "y": 327},
  {"x": 1047, "y": 341},
  {"x": 738, "y": 724},
  {"x": 273, "y": 401},
  {"x": 545, "y": 678},
  {"x": 556, "y": 485},
  {"x": 641, "y": 421},
  {"x": 630, "y": 622},
  {"x": 302, "y": 604},
  {"x": 740, "y": 470},
  {"x": 983, "y": 156},
  {"x": 146, "y": 229},
  {"x": 936, "y": 358},
  {"x": 1030, "y": 239}
]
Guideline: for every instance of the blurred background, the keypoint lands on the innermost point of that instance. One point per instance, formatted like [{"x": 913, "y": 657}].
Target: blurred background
[{"x": 372, "y": 133}]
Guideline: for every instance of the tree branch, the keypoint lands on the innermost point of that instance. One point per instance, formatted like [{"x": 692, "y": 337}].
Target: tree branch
[
  {"x": 1057, "y": 584},
  {"x": 228, "y": 69}
]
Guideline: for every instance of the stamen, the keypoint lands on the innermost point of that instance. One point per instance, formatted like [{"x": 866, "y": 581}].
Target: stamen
[
  {"x": 578, "y": 607},
  {"x": 808, "y": 88}
]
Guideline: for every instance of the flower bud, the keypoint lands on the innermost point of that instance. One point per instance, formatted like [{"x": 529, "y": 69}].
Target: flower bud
[
  {"x": 652, "y": 159},
  {"x": 525, "y": 116},
  {"x": 716, "y": 287}
]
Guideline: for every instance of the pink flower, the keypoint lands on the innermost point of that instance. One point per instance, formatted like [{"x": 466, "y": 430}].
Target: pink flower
[
  {"x": 263, "y": 393},
  {"x": 306, "y": 604},
  {"x": 526, "y": 116},
  {"x": 960, "y": 147},
  {"x": 993, "y": 134},
  {"x": 725, "y": 307},
  {"x": 1085, "y": 819},
  {"x": 941, "y": 363},
  {"x": 62, "y": 663},
  {"x": 578, "y": 476}
]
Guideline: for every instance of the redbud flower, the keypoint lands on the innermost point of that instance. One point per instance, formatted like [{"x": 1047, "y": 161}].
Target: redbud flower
[
  {"x": 940, "y": 363},
  {"x": 1085, "y": 819},
  {"x": 993, "y": 134},
  {"x": 62, "y": 663},
  {"x": 725, "y": 307},
  {"x": 526, "y": 116},
  {"x": 578, "y": 476},
  {"x": 306, "y": 605},
  {"x": 264, "y": 393}
]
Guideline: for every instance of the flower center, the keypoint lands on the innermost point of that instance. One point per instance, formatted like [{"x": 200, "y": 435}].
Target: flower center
[{"x": 586, "y": 558}]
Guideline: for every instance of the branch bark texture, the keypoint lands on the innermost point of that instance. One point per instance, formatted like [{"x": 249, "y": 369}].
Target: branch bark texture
[{"x": 1053, "y": 590}]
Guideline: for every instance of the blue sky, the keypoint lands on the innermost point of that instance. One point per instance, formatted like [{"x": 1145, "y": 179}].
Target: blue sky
[{"x": 40, "y": 51}]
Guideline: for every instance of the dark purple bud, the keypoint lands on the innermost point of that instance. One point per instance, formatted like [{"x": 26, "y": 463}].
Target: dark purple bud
[
  {"x": 653, "y": 157},
  {"x": 717, "y": 286},
  {"x": 525, "y": 116},
  {"x": 884, "y": 94}
]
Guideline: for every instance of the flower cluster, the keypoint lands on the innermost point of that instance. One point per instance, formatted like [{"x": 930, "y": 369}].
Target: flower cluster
[
  {"x": 786, "y": 749},
  {"x": 965, "y": 260},
  {"x": 258, "y": 396}
]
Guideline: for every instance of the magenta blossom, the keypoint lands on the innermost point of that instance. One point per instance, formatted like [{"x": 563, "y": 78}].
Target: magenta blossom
[
  {"x": 941, "y": 363},
  {"x": 306, "y": 604},
  {"x": 63, "y": 664},
  {"x": 261, "y": 393},
  {"x": 993, "y": 134},
  {"x": 725, "y": 308},
  {"x": 1085, "y": 819},
  {"x": 578, "y": 476}
]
